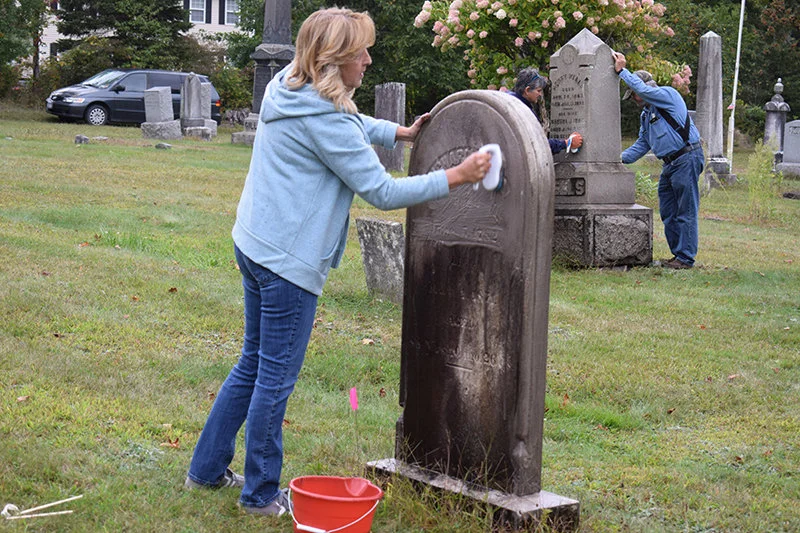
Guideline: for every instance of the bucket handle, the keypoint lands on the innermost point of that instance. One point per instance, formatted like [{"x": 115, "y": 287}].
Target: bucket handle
[{"x": 312, "y": 529}]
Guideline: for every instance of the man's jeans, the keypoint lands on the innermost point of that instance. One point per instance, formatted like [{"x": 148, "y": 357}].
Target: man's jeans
[
  {"x": 278, "y": 318},
  {"x": 679, "y": 203}
]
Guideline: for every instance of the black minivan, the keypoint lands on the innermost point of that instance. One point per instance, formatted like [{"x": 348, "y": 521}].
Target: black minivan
[{"x": 117, "y": 95}]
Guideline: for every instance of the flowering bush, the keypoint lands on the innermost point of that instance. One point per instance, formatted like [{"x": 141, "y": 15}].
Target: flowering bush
[{"x": 501, "y": 36}]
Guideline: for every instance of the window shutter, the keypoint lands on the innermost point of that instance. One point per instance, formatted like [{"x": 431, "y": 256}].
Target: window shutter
[
  {"x": 208, "y": 11},
  {"x": 222, "y": 6}
]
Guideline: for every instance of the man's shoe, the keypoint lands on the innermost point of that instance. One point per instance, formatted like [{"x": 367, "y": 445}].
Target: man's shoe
[
  {"x": 229, "y": 479},
  {"x": 278, "y": 507},
  {"x": 676, "y": 264}
]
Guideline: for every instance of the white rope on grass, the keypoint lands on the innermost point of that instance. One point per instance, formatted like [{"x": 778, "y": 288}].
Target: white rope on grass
[{"x": 12, "y": 512}]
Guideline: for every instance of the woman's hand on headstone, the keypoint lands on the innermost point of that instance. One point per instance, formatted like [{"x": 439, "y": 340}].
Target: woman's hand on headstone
[
  {"x": 472, "y": 170},
  {"x": 619, "y": 61},
  {"x": 577, "y": 139},
  {"x": 410, "y": 133}
]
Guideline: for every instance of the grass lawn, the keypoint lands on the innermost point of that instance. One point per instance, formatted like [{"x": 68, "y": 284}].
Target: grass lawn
[{"x": 673, "y": 396}]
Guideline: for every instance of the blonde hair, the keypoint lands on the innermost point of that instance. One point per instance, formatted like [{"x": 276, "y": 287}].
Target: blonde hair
[{"x": 328, "y": 39}]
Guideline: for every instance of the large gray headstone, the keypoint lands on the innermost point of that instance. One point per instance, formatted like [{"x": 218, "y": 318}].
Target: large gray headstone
[
  {"x": 597, "y": 222},
  {"x": 791, "y": 149},
  {"x": 382, "y": 252},
  {"x": 390, "y": 104},
  {"x": 708, "y": 118}
]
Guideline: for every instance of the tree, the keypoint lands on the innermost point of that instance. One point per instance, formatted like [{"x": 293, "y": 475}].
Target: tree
[
  {"x": 148, "y": 32},
  {"x": 21, "y": 23},
  {"x": 501, "y": 36}
]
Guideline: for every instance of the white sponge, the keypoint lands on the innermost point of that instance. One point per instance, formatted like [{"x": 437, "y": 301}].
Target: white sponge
[{"x": 493, "y": 180}]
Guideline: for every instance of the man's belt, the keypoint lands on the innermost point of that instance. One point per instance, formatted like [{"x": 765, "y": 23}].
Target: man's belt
[{"x": 685, "y": 150}]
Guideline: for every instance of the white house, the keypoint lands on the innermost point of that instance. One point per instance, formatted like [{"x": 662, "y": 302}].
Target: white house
[{"x": 212, "y": 16}]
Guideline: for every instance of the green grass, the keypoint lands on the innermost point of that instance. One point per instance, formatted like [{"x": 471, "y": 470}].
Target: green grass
[{"x": 673, "y": 399}]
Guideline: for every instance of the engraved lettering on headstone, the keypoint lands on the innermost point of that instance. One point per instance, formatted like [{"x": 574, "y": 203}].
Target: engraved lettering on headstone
[{"x": 567, "y": 106}]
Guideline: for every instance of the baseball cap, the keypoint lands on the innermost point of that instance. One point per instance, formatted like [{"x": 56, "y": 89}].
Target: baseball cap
[{"x": 646, "y": 77}]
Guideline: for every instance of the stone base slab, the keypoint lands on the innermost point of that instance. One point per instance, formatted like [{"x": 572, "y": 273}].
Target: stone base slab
[
  {"x": 718, "y": 173},
  {"x": 162, "y": 130},
  {"x": 603, "y": 235},
  {"x": 202, "y": 133},
  {"x": 248, "y": 136},
  {"x": 519, "y": 513},
  {"x": 788, "y": 169}
]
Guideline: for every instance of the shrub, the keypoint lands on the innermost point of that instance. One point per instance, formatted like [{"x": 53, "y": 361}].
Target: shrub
[
  {"x": 235, "y": 87},
  {"x": 763, "y": 185},
  {"x": 646, "y": 189}
]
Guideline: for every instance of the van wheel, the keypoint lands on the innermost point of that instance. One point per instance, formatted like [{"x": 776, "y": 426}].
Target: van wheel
[{"x": 97, "y": 115}]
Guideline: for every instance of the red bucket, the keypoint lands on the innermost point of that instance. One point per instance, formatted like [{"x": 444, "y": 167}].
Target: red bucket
[{"x": 327, "y": 504}]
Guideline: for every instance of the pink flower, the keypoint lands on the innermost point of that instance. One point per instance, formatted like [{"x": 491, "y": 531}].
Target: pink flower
[
  {"x": 437, "y": 40},
  {"x": 659, "y": 9},
  {"x": 483, "y": 34},
  {"x": 544, "y": 44},
  {"x": 453, "y": 40},
  {"x": 471, "y": 73},
  {"x": 545, "y": 23},
  {"x": 595, "y": 30},
  {"x": 456, "y": 4},
  {"x": 492, "y": 87},
  {"x": 518, "y": 42},
  {"x": 557, "y": 14},
  {"x": 670, "y": 32},
  {"x": 497, "y": 5},
  {"x": 482, "y": 4},
  {"x": 501, "y": 14},
  {"x": 474, "y": 16},
  {"x": 452, "y": 16},
  {"x": 422, "y": 18},
  {"x": 603, "y": 2},
  {"x": 513, "y": 23},
  {"x": 577, "y": 15},
  {"x": 438, "y": 26},
  {"x": 560, "y": 23},
  {"x": 470, "y": 33},
  {"x": 502, "y": 70}
]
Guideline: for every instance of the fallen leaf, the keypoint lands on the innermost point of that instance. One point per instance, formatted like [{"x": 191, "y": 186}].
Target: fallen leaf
[
  {"x": 733, "y": 376},
  {"x": 382, "y": 393},
  {"x": 367, "y": 342},
  {"x": 738, "y": 459},
  {"x": 768, "y": 453},
  {"x": 602, "y": 427},
  {"x": 786, "y": 328},
  {"x": 173, "y": 289},
  {"x": 211, "y": 395},
  {"x": 45, "y": 273},
  {"x": 709, "y": 379},
  {"x": 286, "y": 422},
  {"x": 171, "y": 443},
  {"x": 701, "y": 326},
  {"x": 135, "y": 298},
  {"x": 760, "y": 273},
  {"x": 168, "y": 426},
  {"x": 21, "y": 399},
  {"x": 83, "y": 244},
  {"x": 565, "y": 400},
  {"x": 670, "y": 410},
  {"x": 57, "y": 335}
]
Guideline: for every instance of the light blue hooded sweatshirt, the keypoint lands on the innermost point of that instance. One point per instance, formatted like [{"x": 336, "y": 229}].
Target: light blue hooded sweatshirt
[{"x": 308, "y": 161}]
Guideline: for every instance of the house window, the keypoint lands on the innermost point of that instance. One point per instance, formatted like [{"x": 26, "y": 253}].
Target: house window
[
  {"x": 232, "y": 12},
  {"x": 197, "y": 11}
]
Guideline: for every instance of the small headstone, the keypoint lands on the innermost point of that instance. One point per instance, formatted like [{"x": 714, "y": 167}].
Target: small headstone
[
  {"x": 776, "y": 110},
  {"x": 81, "y": 139},
  {"x": 163, "y": 146},
  {"x": 100, "y": 138},
  {"x": 390, "y": 104},
  {"x": 791, "y": 149},
  {"x": 158, "y": 104},
  {"x": 382, "y": 250}
]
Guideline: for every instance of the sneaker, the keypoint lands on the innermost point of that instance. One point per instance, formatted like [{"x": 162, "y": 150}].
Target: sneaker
[
  {"x": 676, "y": 264},
  {"x": 278, "y": 507},
  {"x": 229, "y": 479}
]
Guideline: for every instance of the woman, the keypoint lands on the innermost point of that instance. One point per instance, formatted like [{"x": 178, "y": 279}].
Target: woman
[
  {"x": 529, "y": 89},
  {"x": 312, "y": 153}
]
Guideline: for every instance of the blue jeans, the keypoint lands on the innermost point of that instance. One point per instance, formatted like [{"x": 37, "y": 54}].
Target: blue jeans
[
  {"x": 278, "y": 318},
  {"x": 679, "y": 203}
]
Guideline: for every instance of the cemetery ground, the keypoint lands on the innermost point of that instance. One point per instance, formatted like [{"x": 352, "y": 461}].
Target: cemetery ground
[{"x": 673, "y": 396}]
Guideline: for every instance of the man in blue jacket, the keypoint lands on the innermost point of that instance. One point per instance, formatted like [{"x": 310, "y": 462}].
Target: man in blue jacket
[{"x": 667, "y": 130}]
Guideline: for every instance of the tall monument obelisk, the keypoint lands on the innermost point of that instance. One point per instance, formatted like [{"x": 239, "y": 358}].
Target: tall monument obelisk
[{"x": 275, "y": 52}]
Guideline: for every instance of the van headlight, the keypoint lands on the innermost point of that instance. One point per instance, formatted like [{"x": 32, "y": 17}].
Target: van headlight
[{"x": 74, "y": 100}]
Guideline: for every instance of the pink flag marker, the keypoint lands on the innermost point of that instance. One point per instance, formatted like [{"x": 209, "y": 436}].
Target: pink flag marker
[{"x": 354, "y": 399}]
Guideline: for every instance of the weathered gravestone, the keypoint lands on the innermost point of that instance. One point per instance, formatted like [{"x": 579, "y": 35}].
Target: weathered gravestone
[
  {"x": 791, "y": 149},
  {"x": 273, "y": 54},
  {"x": 196, "y": 108},
  {"x": 709, "y": 111},
  {"x": 382, "y": 250},
  {"x": 160, "y": 120},
  {"x": 390, "y": 104},
  {"x": 474, "y": 346},
  {"x": 597, "y": 222}
]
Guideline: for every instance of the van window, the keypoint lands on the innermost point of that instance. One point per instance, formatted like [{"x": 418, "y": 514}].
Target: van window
[
  {"x": 135, "y": 82},
  {"x": 165, "y": 79}
]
